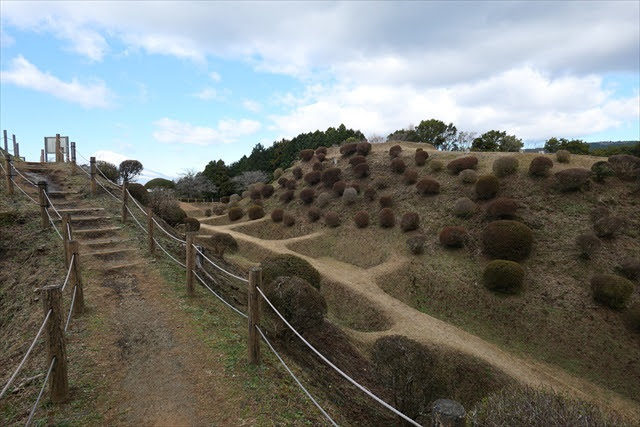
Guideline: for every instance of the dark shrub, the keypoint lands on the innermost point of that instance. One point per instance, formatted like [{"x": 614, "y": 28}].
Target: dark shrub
[
  {"x": 306, "y": 155},
  {"x": 322, "y": 150},
  {"x": 453, "y": 237},
  {"x": 502, "y": 208},
  {"x": 312, "y": 178},
  {"x": 314, "y": 214},
  {"x": 317, "y": 166},
  {"x": 540, "y": 166},
  {"x": 608, "y": 226},
  {"x": 468, "y": 176},
  {"x": 387, "y": 218},
  {"x": 436, "y": 165},
  {"x": 191, "y": 224},
  {"x": 338, "y": 188},
  {"x": 289, "y": 265},
  {"x": 633, "y": 316},
  {"x": 331, "y": 176},
  {"x": 503, "y": 166},
  {"x": 421, "y": 157},
  {"x": 602, "y": 170},
  {"x": 361, "y": 219},
  {"x": 355, "y": 185},
  {"x": 611, "y": 290},
  {"x": 572, "y": 179},
  {"x": 282, "y": 182},
  {"x": 218, "y": 210},
  {"x": 323, "y": 200},
  {"x": 630, "y": 268},
  {"x": 361, "y": 170},
  {"x": 288, "y": 220},
  {"x": 410, "y": 221},
  {"x": 397, "y": 165},
  {"x": 224, "y": 199},
  {"x": 487, "y": 186},
  {"x": 321, "y": 156},
  {"x": 356, "y": 160},
  {"x": 563, "y": 156},
  {"x": 599, "y": 212},
  {"x": 349, "y": 196},
  {"x": 410, "y": 177},
  {"x": 207, "y": 212},
  {"x": 626, "y": 167},
  {"x": 255, "y": 212},
  {"x": 363, "y": 148},
  {"x": 588, "y": 244},
  {"x": 503, "y": 276},
  {"x": 114, "y": 175},
  {"x": 386, "y": 201},
  {"x": 266, "y": 191},
  {"x": 464, "y": 207},
  {"x": 307, "y": 195},
  {"x": 235, "y": 213},
  {"x": 348, "y": 149},
  {"x": 291, "y": 184},
  {"x": 428, "y": 186},
  {"x": 299, "y": 303},
  {"x": 370, "y": 194},
  {"x": 258, "y": 202},
  {"x": 458, "y": 165},
  {"x": 332, "y": 219},
  {"x": 287, "y": 196},
  {"x": 277, "y": 215},
  {"x": 139, "y": 193},
  {"x": 255, "y": 194},
  {"x": 297, "y": 172},
  {"x": 416, "y": 244},
  {"x": 172, "y": 214},
  {"x": 506, "y": 239},
  {"x": 220, "y": 243},
  {"x": 395, "y": 151}
]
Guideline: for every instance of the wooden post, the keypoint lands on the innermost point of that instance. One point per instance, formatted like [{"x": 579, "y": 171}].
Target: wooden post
[
  {"x": 66, "y": 222},
  {"x": 152, "y": 246},
  {"x": 92, "y": 170},
  {"x": 76, "y": 278},
  {"x": 6, "y": 143},
  {"x": 9, "y": 172},
  {"x": 255, "y": 281},
  {"x": 58, "y": 381},
  {"x": 42, "y": 189},
  {"x": 125, "y": 199},
  {"x": 190, "y": 261},
  {"x": 58, "y": 149},
  {"x": 42, "y": 156},
  {"x": 73, "y": 153},
  {"x": 16, "y": 147}
]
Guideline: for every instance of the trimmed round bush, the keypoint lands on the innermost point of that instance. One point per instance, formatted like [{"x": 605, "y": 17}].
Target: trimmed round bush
[
  {"x": 602, "y": 170},
  {"x": 314, "y": 214},
  {"x": 608, "y": 226},
  {"x": 416, "y": 244},
  {"x": 306, "y": 155},
  {"x": 321, "y": 157},
  {"x": 191, "y": 224},
  {"x": 563, "y": 156},
  {"x": 626, "y": 167},
  {"x": 139, "y": 192},
  {"x": 363, "y": 148},
  {"x": 235, "y": 198},
  {"x": 323, "y": 200},
  {"x": 219, "y": 243},
  {"x": 611, "y": 290},
  {"x": 503, "y": 276},
  {"x": 339, "y": 187},
  {"x": 361, "y": 170},
  {"x": 386, "y": 201},
  {"x": 282, "y": 182},
  {"x": 464, "y": 207},
  {"x": 397, "y": 165},
  {"x": 258, "y": 202},
  {"x": 331, "y": 176},
  {"x": 502, "y": 208},
  {"x": 307, "y": 195},
  {"x": 288, "y": 220},
  {"x": 235, "y": 213},
  {"x": 317, "y": 166},
  {"x": 395, "y": 151},
  {"x": 410, "y": 177},
  {"x": 348, "y": 149},
  {"x": 361, "y": 219},
  {"x": 277, "y": 215},
  {"x": 370, "y": 194},
  {"x": 599, "y": 212},
  {"x": 428, "y": 186},
  {"x": 630, "y": 268},
  {"x": 172, "y": 214},
  {"x": 289, "y": 265},
  {"x": 299, "y": 303},
  {"x": 453, "y": 237},
  {"x": 277, "y": 173},
  {"x": 332, "y": 219},
  {"x": 436, "y": 165},
  {"x": 506, "y": 239},
  {"x": 387, "y": 218},
  {"x": 540, "y": 166},
  {"x": 312, "y": 178},
  {"x": 356, "y": 160},
  {"x": 421, "y": 157},
  {"x": 297, "y": 172},
  {"x": 321, "y": 150},
  {"x": 267, "y": 191},
  {"x": 291, "y": 184},
  {"x": 287, "y": 196},
  {"x": 255, "y": 194},
  {"x": 255, "y": 212},
  {"x": 468, "y": 176},
  {"x": 355, "y": 185},
  {"x": 506, "y": 165},
  {"x": 572, "y": 179},
  {"x": 207, "y": 212},
  {"x": 487, "y": 186},
  {"x": 588, "y": 245},
  {"x": 458, "y": 165},
  {"x": 349, "y": 196},
  {"x": 224, "y": 199},
  {"x": 410, "y": 221}
]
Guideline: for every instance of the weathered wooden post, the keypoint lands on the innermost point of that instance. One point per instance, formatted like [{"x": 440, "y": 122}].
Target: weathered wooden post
[
  {"x": 66, "y": 225},
  {"x": 125, "y": 199},
  {"x": 255, "y": 281},
  {"x": 73, "y": 153},
  {"x": 76, "y": 278},
  {"x": 58, "y": 149},
  {"x": 6, "y": 143},
  {"x": 44, "y": 217},
  {"x": 58, "y": 381},
  {"x": 92, "y": 170},
  {"x": 8, "y": 172},
  {"x": 152, "y": 246},
  {"x": 447, "y": 413},
  {"x": 190, "y": 261},
  {"x": 16, "y": 147},
  {"x": 42, "y": 155}
]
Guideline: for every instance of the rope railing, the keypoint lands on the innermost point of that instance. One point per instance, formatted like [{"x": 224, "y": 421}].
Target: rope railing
[
  {"x": 99, "y": 171},
  {"x": 136, "y": 203},
  {"x": 24, "y": 177},
  {"x": 24, "y": 359},
  {"x": 44, "y": 384},
  {"x": 52, "y": 205},
  {"x": 168, "y": 254},
  {"x": 242, "y": 279},
  {"x": 218, "y": 296},
  {"x": 69, "y": 231},
  {"x": 136, "y": 220},
  {"x": 167, "y": 233},
  {"x": 53, "y": 225},
  {"x": 23, "y": 192},
  {"x": 66, "y": 280},
  {"x": 73, "y": 301}
]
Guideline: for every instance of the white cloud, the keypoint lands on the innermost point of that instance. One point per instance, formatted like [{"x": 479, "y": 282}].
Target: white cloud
[
  {"x": 227, "y": 131},
  {"x": 215, "y": 76},
  {"x": 251, "y": 105},
  {"x": 163, "y": 44},
  {"x": 25, "y": 74},
  {"x": 207, "y": 94},
  {"x": 5, "y": 39}
]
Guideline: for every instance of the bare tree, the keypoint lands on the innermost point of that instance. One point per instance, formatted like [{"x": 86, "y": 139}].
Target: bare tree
[
  {"x": 375, "y": 138},
  {"x": 245, "y": 179},
  {"x": 195, "y": 185}
]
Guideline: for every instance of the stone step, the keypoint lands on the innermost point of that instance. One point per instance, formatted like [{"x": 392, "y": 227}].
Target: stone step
[
  {"x": 76, "y": 210},
  {"x": 109, "y": 252},
  {"x": 120, "y": 265},
  {"x": 88, "y": 231},
  {"x": 81, "y": 218},
  {"x": 93, "y": 243}
]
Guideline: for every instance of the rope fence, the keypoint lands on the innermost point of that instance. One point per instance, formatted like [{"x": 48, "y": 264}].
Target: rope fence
[{"x": 44, "y": 384}]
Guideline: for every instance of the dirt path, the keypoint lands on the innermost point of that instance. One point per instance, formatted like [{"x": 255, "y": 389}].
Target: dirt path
[{"x": 427, "y": 329}]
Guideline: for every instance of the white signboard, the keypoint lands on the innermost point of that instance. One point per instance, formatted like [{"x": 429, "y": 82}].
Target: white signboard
[{"x": 50, "y": 144}]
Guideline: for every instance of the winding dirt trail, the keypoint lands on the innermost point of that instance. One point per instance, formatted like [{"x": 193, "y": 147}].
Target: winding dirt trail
[{"x": 427, "y": 329}]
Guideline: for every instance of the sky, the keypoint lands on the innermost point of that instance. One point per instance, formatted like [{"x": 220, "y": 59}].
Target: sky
[{"x": 176, "y": 85}]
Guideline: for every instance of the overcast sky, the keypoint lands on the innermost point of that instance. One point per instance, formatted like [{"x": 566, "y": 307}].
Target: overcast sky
[{"x": 178, "y": 84}]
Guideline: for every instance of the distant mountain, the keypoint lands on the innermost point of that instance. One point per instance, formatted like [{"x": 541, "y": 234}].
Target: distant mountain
[{"x": 592, "y": 145}]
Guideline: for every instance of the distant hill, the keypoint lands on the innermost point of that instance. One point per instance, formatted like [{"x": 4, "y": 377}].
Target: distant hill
[{"x": 592, "y": 145}]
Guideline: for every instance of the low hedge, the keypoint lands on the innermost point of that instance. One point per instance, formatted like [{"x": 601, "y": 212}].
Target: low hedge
[
  {"x": 503, "y": 276},
  {"x": 611, "y": 290}
]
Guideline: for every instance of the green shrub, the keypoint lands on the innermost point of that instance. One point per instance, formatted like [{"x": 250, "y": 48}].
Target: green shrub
[
  {"x": 503, "y": 276},
  {"x": 156, "y": 183},
  {"x": 277, "y": 215},
  {"x": 611, "y": 290},
  {"x": 332, "y": 219},
  {"x": 487, "y": 186},
  {"x": 361, "y": 170},
  {"x": 207, "y": 212},
  {"x": 505, "y": 239},
  {"x": 288, "y": 220},
  {"x": 297, "y": 172},
  {"x": 395, "y": 151},
  {"x": 235, "y": 213},
  {"x": 361, "y": 219},
  {"x": 502, "y": 208},
  {"x": 602, "y": 170},
  {"x": 331, "y": 176},
  {"x": 599, "y": 212},
  {"x": 356, "y": 160},
  {"x": 314, "y": 214},
  {"x": 370, "y": 194},
  {"x": 503, "y": 166},
  {"x": 572, "y": 179},
  {"x": 348, "y": 149},
  {"x": 588, "y": 244},
  {"x": 287, "y": 196},
  {"x": 453, "y": 237},
  {"x": 277, "y": 173},
  {"x": 540, "y": 166},
  {"x": 339, "y": 187},
  {"x": 410, "y": 221},
  {"x": 436, "y": 165},
  {"x": 630, "y": 268},
  {"x": 458, "y": 165},
  {"x": 563, "y": 156},
  {"x": 608, "y": 226},
  {"x": 191, "y": 224},
  {"x": 255, "y": 194},
  {"x": 113, "y": 174},
  {"x": 464, "y": 207},
  {"x": 387, "y": 218},
  {"x": 166, "y": 207},
  {"x": 255, "y": 212},
  {"x": 363, "y": 148},
  {"x": 307, "y": 195},
  {"x": 219, "y": 243},
  {"x": 416, "y": 244},
  {"x": 397, "y": 166},
  {"x": 421, "y": 157},
  {"x": 172, "y": 215},
  {"x": 312, "y": 178},
  {"x": 428, "y": 186},
  {"x": 468, "y": 176},
  {"x": 410, "y": 177},
  {"x": 139, "y": 193},
  {"x": 306, "y": 155},
  {"x": 626, "y": 167}
]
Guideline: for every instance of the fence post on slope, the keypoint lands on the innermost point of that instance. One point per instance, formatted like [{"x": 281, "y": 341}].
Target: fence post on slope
[
  {"x": 255, "y": 281},
  {"x": 42, "y": 156},
  {"x": 44, "y": 217},
  {"x": 66, "y": 223},
  {"x": 58, "y": 381},
  {"x": 125, "y": 199},
  {"x": 92, "y": 170},
  {"x": 6, "y": 143},
  {"x": 58, "y": 149},
  {"x": 16, "y": 147},
  {"x": 190, "y": 261},
  {"x": 76, "y": 278},
  {"x": 73, "y": 156},
  {"x": 152, "y": 246},
  {"x": 8, "y": 172}
]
